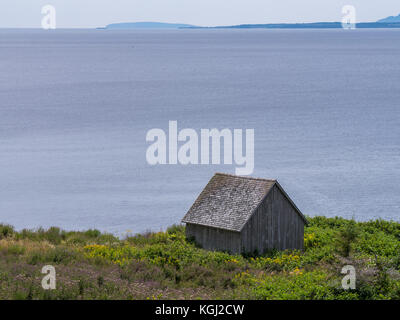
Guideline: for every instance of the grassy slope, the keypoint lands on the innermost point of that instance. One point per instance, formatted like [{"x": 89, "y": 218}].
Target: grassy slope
[{"x": 164, "y": 265}]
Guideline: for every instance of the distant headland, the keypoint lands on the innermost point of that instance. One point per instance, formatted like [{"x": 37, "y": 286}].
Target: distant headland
[
  {"x": 391, "y": 19},
  {"x": 312, "y": 25},
  {"x": 146, "y": 25},
  {"x": 389, "y": 22}
]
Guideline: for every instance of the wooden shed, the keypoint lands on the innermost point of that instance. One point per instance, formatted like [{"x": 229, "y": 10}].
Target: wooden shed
[{"x": 243, "y": 214}]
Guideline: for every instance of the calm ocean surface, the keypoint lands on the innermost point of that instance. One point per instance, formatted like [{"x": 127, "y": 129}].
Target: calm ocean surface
[{"x": 75, "y": 107}]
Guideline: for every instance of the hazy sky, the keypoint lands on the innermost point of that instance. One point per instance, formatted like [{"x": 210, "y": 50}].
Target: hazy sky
[{"x": 95, "y": 13}]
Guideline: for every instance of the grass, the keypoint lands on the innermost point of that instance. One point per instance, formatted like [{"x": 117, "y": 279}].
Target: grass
[{"x": 165, "y": 265}]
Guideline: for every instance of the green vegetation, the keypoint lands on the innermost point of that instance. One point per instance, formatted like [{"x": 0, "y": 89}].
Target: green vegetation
[{"x": 165, "y": 265}]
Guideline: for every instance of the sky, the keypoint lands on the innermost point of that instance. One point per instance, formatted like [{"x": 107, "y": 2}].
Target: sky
[{"x": 98, "y": 13}]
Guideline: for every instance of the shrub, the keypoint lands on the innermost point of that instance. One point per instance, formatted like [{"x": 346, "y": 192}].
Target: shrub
[
  {"x": 35, "y": 257},
  {"x": 378, "y": 243},
  {"x": 16, "y": 249},
  {"x": 92, "y": 233},
  {"x": 347, "y": 235},
  {"x": 176, "y": 229},
  {"x": 310, "y": 285},
  {"x": 6, "y": 231},
  {"x": 52, "y": 255},
  {"x": 60, "y": 255}
]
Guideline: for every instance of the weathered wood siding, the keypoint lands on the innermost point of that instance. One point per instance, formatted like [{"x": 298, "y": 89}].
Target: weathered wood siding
[
  {"x": 275, "y": 224},
  {"x": 214, "y": 239}
]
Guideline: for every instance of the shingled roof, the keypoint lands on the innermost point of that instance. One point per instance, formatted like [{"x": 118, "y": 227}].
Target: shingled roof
[{"x": 228, "y": 201}]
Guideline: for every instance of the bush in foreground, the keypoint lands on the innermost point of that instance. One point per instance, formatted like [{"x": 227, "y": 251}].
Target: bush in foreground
[{"x": 165, "y": 265}]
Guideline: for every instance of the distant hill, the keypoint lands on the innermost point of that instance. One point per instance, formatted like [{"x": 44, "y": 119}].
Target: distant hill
[
  {"x": 313, "y": 25},
  {"x": 390, "y": 19},
  {"x": 147, "y": 25},
  {"x": 389, "y": 22}
]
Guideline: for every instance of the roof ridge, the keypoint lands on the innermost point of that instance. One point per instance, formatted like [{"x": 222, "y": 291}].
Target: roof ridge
[{"x": 244, "y": 177}]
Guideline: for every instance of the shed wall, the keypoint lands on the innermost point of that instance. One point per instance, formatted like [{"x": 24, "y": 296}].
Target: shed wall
[
  {"x": 275, "y": 224},
  {"x": 214, "y": 239}
]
